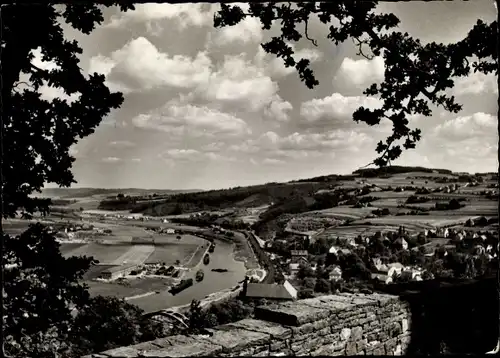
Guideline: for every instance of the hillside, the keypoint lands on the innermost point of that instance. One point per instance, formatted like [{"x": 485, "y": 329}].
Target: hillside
[
  {"x": 88, "y": 192},
  {"x": 318, "y": 190}
]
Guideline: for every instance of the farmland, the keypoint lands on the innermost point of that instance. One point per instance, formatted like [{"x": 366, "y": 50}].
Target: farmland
[
  {"x": 170, "y": 253},
  {"x": 136, "y": 254},
  {"x": 416, "y": 221},
  {"x": 340, "y": 212}
]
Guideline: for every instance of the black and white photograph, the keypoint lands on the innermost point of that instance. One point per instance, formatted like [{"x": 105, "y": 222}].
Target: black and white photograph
[{"x": 217, "y": 179}]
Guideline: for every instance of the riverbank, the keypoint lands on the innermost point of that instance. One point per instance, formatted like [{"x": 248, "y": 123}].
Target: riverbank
[{"x": 243, "y": 252}]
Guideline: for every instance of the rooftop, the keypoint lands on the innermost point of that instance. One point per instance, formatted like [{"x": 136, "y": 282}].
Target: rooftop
[{"x": 272, "y": 291}]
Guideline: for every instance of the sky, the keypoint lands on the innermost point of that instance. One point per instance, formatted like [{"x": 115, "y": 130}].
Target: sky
[{"x": 207, "y": 108}]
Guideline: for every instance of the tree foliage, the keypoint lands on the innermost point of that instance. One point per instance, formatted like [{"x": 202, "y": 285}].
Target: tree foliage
[
  {"x": 47, "y": 311},
  {"x": 37, "y": 133},
  {"x": 40, "y": 289},
  {"x": 417, "y": 75}
]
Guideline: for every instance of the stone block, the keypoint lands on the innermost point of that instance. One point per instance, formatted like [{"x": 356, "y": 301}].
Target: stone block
[
  {"x": 345, "y": 334},
  {"x": 404, "y": 325},
  {"x": 197, "y": 349},
  {"x": 283, "y": 353},
  {"x": 233, "y": 339},
  {"x": 350, "y": 348},
  {"x": 333, "y": 303},
  {"x": 244, "y": 353},
  {"x": 290, "y": 313},
  {"x": 398, "y": 351},
  {"x": 313, "y": 344},
  {"x": 310, "y": 327},
  {"x": 276, "y": 331},
  {"x": 264, "y": 353},
  {"x": 324, "y": 331},
  {"x": 370, "y": 317},
  {"x": 277, "y": 345},
  {"x": 382, "y": 336},
  {"x": 122, "y": 352},
  {"x": 379, "y": 350},
  {"x": 384, "y": 299},
  {"x": 180, "y": 339},
  {"x": 334, "y": 349},
  {"x": 361, "y": 345},
  {"x": 356, "y": 333}
]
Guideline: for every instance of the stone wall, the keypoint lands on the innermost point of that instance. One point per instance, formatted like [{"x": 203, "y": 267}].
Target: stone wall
[{"x": 344, "y": 324}]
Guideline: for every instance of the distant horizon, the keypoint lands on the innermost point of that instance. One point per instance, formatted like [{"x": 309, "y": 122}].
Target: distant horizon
[{"x": 261, "y": 183}]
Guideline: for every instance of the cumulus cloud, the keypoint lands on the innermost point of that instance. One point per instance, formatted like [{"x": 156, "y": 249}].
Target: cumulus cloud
[
  {"x": 475, "y": 84},
  {"x": 460, "y": 128},
  {"x": 273, "y": 161},
  {"x": 336, "y": 107},
  {"x": 139, "y": 65},
  {"x": 192, "y": 155},
  {"x": 275, "y": 67},
  {"x": 361, "y": 73},
  {"x": 247, "y": 31},
  {"x": 121, "y": 144},
  {"x": 111, "y": 160},
  {"x": 303, "y": 145},
  {"x": 182, "y": 15},
  {"x": 178, "y": 118},
  {"x": 240, "y": 82},
  {"x": 235, "y": 81},
  {"x": 278, "y": 109}
]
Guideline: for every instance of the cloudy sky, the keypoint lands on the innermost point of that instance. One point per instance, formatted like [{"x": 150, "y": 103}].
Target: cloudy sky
[{"x": 207, "y": 108}]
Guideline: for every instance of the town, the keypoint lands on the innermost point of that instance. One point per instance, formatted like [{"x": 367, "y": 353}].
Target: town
[{"x": 285, "y": 241}]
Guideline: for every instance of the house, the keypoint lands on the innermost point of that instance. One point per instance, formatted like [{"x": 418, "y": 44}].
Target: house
[
  {"x": 283, "y": 292},
  {"x": 294, "y": 268},
  {"x": 401, "y": 243},
  {"x": 335, "y": 274},
  {"x": 382, "y": 278},
  {"x": 118, "y": 271},
  {"x": 479, "y": 250},
  {"x": 412, "y": 274},
  {"x": 165, "y": 221},
  {"x": 299, "y": 255},
  {"x": 335, "y": 250},
  {"x": 397, "y": 267},
  {"x": 170, "y": 231}
]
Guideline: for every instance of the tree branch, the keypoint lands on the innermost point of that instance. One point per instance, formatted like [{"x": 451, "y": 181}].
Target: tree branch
[
  {"x": 307, "y": 34},
  {"x": 360, "y": 48}
]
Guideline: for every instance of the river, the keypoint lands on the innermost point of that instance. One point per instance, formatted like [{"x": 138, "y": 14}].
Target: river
[{"x": 222, "y": 257}]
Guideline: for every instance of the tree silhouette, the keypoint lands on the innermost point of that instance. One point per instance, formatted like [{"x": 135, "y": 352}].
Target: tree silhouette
[
  {"x": 41, "y": 289},
  {"x": 38, "y": 133},
  {"x": 416, "y": 75}
]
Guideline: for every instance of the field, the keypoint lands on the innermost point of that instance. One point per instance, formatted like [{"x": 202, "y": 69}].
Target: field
[
  {"x": 170, "y": 253},
  {"x": 95, "y": 271},
  {"x": 106, "y": 254},
  {"x": 136, "y": 254},
  {"x": 169, "y": 239},
  {"x": 416, "y": 221},
  {"x": 341, "y": 212},
  {"x": 387, "y": 203},
  {"x": 68, "y": 248},
  {"x": 402, "y": 195}
]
